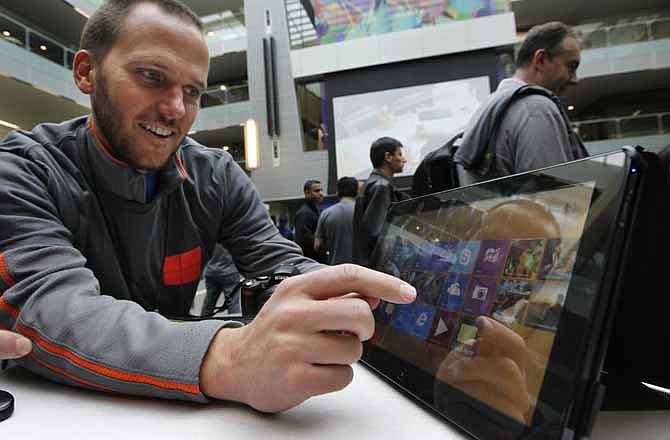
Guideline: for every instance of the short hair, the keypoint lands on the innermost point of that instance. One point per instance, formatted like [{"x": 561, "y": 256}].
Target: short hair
[
  {"x": 347, "y": 187},
  {"x": 308, "y": 185},
  {"x": 380, "y": 147},
  {"x": 547, "y": 36},
  {"x": 106, "y": 24}
]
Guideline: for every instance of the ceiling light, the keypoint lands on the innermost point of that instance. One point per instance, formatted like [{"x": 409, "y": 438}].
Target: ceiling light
[
  {"x": 226, "y": 148},
  {"x": 210, "y": 33},
  {"x": 6, "y": 33},
  {"x": 43, "y": 47},
  {"x": 223, "y": 88},
  {"x": 571, "y": 107},
  {"x": 8, "y": 124}
]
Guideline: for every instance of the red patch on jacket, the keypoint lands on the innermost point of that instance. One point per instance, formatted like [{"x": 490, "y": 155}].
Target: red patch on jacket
[{"x": 182, "y": 268}]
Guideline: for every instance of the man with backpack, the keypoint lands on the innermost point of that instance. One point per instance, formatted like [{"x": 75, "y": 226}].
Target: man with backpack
[{"x": 522, "y": 126}]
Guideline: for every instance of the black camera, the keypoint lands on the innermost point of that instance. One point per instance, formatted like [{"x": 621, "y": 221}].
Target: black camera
[{"x": 256, "y": 291}]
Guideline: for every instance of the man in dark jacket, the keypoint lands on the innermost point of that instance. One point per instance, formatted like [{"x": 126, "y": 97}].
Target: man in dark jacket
[
  {"x": 374, "y": 199},
  {"x": 307, "y": 218}
]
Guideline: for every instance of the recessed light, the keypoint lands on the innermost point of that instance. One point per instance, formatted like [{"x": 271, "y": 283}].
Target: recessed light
[
  {"x": 6, "y": 33},
  {"x": 571, "y": 107},
  {"x": 43, "y": 47}
]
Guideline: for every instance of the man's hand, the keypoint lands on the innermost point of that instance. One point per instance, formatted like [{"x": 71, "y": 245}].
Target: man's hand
[
  {"x": 13, "y": 345},
  {"x": 303, "y": 341},
  {"x": 496, "y": 374}
]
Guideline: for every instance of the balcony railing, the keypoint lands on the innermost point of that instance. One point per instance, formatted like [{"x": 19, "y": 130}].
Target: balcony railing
[
  {"x": 222, "y": 95},
  {"x": 23, "y": 36},
  {"x": 626, "y": 33},
  {"x": 651, "y": 124},
  {"x": 225, "y": 25}
]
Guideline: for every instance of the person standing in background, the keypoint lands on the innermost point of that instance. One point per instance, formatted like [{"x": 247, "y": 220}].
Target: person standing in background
[
  {"x": 374, "y": 199},
  {"x": 221, "y": 275},
  {"x": 307, "y": 217},
  {"x": 284, "y": 229},
  {"x": 336, "y": 225}
]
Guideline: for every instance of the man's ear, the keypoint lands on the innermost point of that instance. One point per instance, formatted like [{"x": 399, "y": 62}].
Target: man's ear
[
  {"x": 84, "y": 69},
  {"x": 540, "y": 57}
]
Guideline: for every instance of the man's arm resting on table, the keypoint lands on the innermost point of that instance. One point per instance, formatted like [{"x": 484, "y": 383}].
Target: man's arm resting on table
[{"x": 287, "y": 354}]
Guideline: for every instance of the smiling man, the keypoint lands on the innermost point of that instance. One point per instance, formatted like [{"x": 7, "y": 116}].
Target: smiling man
[{"x": 106, "y": 223}]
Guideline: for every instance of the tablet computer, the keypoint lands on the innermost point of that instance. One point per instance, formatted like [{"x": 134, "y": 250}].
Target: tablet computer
[{"x": 517, "y": 279}]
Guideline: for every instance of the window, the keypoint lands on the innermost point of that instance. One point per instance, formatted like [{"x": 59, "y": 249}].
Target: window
[{"x": 312, "y": 110}]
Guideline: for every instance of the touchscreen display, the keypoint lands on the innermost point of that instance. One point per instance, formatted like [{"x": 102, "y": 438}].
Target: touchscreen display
[{"x": 491, "y": 277}]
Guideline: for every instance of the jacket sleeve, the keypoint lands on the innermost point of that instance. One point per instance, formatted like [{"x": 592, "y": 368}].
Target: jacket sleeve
[
  {"x": 81, "y": 336},
  {"x": 247, "y": 230},
  {"x": 379, "y": 201}
]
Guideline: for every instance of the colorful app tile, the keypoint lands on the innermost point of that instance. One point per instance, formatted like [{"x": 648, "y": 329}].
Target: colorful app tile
[
  {"x": 545, "y": 305},
  {"x": 480, "y": 295},
  {"x": 559, "y": 259},
  {"x": 467, "y": 256},
  {"x": 444, "y": 327},
  {"x": 453, "y": 292},
  {"x": 465, "y": 339},
  {"x": 429, "y": 286},
  {"x": 511, "y": 302},
  {"x": 524, "y": 258},
  {"x": 414, "y": 319},
  {"x": 491, "y": 259},
  {"x": 450, "y": 253}
]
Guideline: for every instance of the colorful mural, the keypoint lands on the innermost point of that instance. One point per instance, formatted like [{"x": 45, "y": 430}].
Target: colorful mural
[{"x": 340, "y": 20}]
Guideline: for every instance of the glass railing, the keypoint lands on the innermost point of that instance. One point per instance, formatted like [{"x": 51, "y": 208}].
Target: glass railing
[
  {"x": 623, "y": 127},
  {"x": 225, "y": 24},
  {"x": 23, "y": 36},
  {"x": 626, "y": 33},
  {"x": 220, "y": 94}
]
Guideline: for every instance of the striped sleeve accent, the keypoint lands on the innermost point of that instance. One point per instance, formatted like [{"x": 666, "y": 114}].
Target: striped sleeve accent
[
  {"x": 102, "y": 370},
  {"x": 6, "y": 280},
  {"x": 8, "y": 308}
]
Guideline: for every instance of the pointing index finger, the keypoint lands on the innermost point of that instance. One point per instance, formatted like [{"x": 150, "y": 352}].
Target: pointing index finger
[{"x": 346, "y": 278}]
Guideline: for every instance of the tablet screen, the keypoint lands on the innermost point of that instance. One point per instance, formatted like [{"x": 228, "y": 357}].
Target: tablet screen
[{"x": 492, "y": 265}]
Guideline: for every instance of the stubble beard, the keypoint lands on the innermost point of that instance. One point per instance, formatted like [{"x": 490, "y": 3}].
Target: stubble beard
[{"x": 108, "y": 117}]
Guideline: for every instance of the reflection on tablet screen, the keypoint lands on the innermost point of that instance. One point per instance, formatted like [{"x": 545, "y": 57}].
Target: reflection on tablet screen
[{"x": 507, "y": 258}]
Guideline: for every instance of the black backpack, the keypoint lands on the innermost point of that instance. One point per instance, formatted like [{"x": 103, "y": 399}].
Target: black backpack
[{"x": 437, "y": 171}]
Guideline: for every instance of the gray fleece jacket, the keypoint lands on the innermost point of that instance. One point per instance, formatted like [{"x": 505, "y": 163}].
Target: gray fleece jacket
[{"x": 88, "y": 266}]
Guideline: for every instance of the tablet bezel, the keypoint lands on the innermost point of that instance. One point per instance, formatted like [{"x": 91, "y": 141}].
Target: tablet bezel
[{"x": 577, "y": 348}]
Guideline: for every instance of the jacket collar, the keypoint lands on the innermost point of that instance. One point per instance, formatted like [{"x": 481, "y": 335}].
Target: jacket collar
[{"x": 121, "y": 179}]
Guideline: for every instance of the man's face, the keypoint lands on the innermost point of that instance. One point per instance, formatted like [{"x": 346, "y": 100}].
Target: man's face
[
  {"x": 147, "y": 88},
  {"x": 314, "y": 193},
  {"x": 396, "y": 161},
  {"x": 560, "y": 72}
]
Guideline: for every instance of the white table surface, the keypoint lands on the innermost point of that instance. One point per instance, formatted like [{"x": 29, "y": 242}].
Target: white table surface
[{"x": 368, "y": 409}]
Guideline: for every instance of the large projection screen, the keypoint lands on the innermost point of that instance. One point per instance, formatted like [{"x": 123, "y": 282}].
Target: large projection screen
[{"x": 422, "y": 117}]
